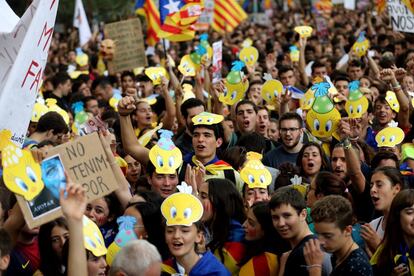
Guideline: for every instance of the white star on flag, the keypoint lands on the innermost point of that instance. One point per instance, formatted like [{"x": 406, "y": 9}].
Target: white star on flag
[{"x": 172, "y": 6}]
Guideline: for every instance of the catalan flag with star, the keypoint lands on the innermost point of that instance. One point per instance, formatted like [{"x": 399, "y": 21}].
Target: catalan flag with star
[
  {"x": 149, "y": 10},
  {"x": 177, "y": 18}
]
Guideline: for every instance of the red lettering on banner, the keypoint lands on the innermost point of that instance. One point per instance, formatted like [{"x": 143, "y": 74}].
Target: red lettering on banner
[
  {"x": 51, "y": 5},
  {"x": 45, "y": 33},
  {"x": 34, "y": 73}
]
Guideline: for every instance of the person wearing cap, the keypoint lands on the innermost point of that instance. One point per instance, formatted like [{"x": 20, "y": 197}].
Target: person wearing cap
[
  {"x": 208, "y": 136},
  {"x": 183, "y": 234}
]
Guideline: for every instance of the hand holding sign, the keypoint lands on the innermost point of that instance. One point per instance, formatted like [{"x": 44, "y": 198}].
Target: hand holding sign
[{"x": 73, "y": 200}]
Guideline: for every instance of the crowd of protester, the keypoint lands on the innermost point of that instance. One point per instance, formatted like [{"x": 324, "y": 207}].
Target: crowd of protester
[{"x": 339, "y": 205}]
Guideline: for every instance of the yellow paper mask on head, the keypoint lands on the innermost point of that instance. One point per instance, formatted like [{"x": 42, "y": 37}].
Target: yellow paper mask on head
[
  {"x": 307, "y": 100},
  {"x": 190, "y": 64},
  {"x": 248, "y": 54},
  {"x": 361, "y": 46},
  {"x": 182, "y": 208},
  {"x": 155, "y": 74},
  {"x": 39, "y": 109},
  {"x": 297, "y": 185},
  {"x": 92, "y": 238},
  {"x": 391, "y": 99},
  {"x": 165, "y": 156},
  {"x": 206, "y": 118},
  {"x": 125, "y": 234},
  {"x": 21, "y": 173},
  {"x": 390, "y": 136},
  {"x": 144, "y": 139},
  {"x": 233, "y": 93},
  {"x": 357, "y": 103},
  {"x": 254, "y": 173},
  {"x": 304, "y": 31},
  {"x": 323, "y": 118},
  {"x": 52, "y": 105},
  {"x": 271, "y": 89}
]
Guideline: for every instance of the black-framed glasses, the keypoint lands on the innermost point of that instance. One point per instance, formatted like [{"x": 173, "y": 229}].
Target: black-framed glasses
[{"x": 290, "y": 129}]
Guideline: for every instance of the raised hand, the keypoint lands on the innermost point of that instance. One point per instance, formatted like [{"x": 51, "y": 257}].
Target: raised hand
[
  {"x": 73, "y": 200},
  {"x": 126, "y": 106}
]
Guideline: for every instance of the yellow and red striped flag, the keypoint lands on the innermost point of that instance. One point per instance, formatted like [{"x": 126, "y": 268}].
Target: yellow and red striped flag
[
  {"x": 148, "y": 9},
  {"x": 409, "y": 4},
  {"x": 228, "y": 14},
  {"x": 380, "y": 6}
]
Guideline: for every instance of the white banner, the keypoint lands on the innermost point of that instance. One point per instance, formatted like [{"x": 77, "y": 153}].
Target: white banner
[
  {"x": 80, "y": 21},
  {"x": 402, "y": 18},
  {"x": 23, "y": 55}
]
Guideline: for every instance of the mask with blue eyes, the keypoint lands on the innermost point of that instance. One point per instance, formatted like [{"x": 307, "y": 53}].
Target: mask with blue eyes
[
  {"x": 254, "y": 173},
  {"x": 21, "y": 173},
  {"x": 182, "y": 208},
  {"x": 165, "y": 156},
  {"x": 92, "y": 238}
]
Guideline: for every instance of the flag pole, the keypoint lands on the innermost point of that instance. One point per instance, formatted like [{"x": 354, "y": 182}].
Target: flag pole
[{"x": 165, "y": 49}]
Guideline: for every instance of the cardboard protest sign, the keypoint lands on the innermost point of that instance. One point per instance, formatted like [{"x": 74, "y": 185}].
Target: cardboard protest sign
[
  {"x": 130, "y": 49},
  {"x": 217, "y": 60},
  {"x": 24, "y": 46},
  {"x": 402, "y": 18},
  {"x": 85, "y": 162}
]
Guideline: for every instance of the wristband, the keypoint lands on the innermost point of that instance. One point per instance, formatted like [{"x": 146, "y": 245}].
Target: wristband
[
  {"x": 397, "y": 86},
  {"x": 347, "y": 144},
  {"x": 313, "y": 266}
]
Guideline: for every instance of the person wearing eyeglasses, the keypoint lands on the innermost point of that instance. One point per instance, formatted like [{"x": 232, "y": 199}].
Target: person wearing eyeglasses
[{"x": 290, "y": 128}]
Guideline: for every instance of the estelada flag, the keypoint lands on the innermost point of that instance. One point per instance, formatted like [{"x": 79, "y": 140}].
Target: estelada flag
[
  {"x": 178, "y": 18},
  {"x": 228, "y": 14}
]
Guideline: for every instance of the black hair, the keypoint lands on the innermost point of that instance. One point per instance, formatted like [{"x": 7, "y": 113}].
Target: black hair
[
  {"x": 60, "y": 78},
  {"x": 152, "y": 220},
  {"x": 227, "y": 206},
  {"x": 383, "y": 155},
  {"x": 50, "y": 263},
  {"x": 324, "y": 159},
  {"x": 6, "y": 245},
  {"x": 284, "y": 68},
  {"x": 271, "y": 240},
  {"x": 291, "y": 116},
  {"x": 393, "y": 174},
  {"x": 101, "y": 82},
  {"x": 217, "y": 128},
  {"x": 317, "y": 64},
  {"x": 235, "y": 156},
  {"x": 242, "y": 102},
  {"x": 126, "y": 74},
  {"x": 288, "y": 196},
  {"x": 252, "y": 142},
  {"x": 190, "y": 103},
  {"x": 52, "y": 121},
  {"x": 142, "y": 78}
]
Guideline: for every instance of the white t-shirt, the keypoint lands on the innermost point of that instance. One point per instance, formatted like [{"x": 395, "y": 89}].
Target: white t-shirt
[{"x": 376, "y": 225}]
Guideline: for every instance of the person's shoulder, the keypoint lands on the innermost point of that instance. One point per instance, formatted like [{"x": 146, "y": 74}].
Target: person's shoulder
[
  {"x": 209, "y": 265},
  {"x": 358, "y": 263}
]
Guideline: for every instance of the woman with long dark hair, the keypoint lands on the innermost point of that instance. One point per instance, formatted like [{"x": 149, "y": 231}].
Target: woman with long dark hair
[
  {"x": 311, "y": 160},
  {"x": 223, "y": 216},
  {"x": 263, "y": 243},
  {"x": 394, "y": 255},
  {"x": 52, "y": 237}
]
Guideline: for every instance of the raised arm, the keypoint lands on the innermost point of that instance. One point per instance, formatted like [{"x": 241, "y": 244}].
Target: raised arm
[
  {"x": 404, "y": 113},
  {"x": 169, "y": 117},
  {"x": 353, "y": 162},
  {"x": 122, "y": 192},
  {"x": 73, "y": 205},
  {"x": 129, "y": 141},
  {"x": 302, "y": 61}
]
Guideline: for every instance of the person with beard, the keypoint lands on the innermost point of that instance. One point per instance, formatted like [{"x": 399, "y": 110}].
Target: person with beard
[
  {"x": 189, "y": 109},
  {"x": 346, "y": 164},
  {"x": 290, "y": 127}
]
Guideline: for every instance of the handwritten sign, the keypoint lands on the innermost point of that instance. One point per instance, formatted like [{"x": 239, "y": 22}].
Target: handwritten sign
[
  {"x": 402, "y": 18},
  {"x": 86, "y": 163},
  {"x": 130, "y": 50},
  {"x": 24, "y": 47}
]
